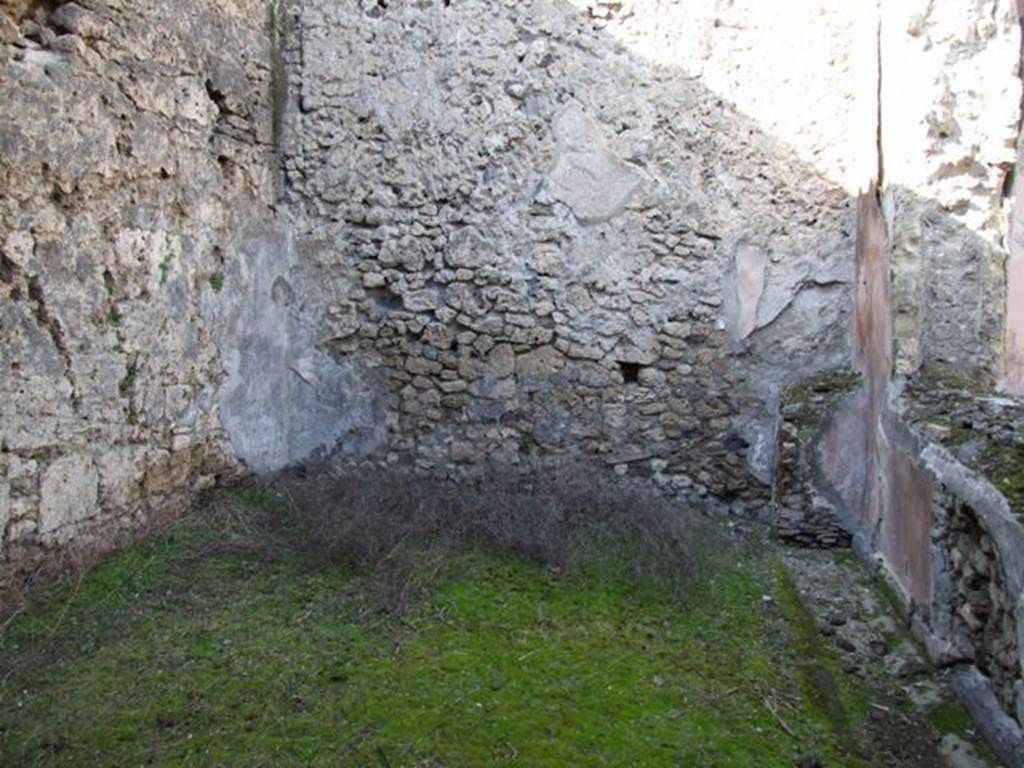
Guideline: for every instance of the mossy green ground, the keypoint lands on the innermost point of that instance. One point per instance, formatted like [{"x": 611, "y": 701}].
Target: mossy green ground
[{"x": 166, "y": 657}]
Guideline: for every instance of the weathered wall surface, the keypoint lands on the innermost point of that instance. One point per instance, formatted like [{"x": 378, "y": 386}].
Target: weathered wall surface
[
  {"x": 772, "y": 61},
  {"x": 135, "y": 139},
  {"x": 552, "y": 243},
  {"x": 950, "y": 100}
]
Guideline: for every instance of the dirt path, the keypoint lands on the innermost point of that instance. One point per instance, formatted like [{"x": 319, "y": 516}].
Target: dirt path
[{"x": 913, "y": 720}]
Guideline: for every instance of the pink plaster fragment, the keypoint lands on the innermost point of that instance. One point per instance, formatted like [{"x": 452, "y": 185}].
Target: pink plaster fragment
[{"x": 751, "y": 263}]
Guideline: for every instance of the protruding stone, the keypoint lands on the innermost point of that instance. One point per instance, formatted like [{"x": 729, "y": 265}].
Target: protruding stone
[
  {"x": 421, "y": 301},
  {"x": 587, "y": 176}
]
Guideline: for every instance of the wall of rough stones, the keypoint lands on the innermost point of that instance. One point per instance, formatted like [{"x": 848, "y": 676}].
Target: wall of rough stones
[
  {"x": 940, "y": 518},
  {"x": 135, "y": 142},
  {"x": 804, "y": 501},
  {"x": 552, "y": 242},
  {"x": 985, "y": 612}
]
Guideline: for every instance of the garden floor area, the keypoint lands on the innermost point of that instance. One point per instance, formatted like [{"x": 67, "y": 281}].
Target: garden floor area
[{"x": 199, "y": 647}]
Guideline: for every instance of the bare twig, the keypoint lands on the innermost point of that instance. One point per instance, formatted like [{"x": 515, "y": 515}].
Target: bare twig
[
  {"x": 723, "y": 695},
  {"x": 778, "y": 718},
  {"x": 63, "y": 612},
  {"x": 11, "y": 618}
]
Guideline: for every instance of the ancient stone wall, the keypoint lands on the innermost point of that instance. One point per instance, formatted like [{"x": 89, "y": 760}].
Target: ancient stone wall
[
  {"x": 554, "y": 242},
  {"x": 135, "y": 140},
  {"x": 931, "y": 292},
  {"x": 804, "y": 502}
]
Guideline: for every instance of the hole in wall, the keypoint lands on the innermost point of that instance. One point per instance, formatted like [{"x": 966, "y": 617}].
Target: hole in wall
[
  {"x": 37, "y": 10},
  {"x": 630, "y": 372},
  {"x": 1008, "y": 181},
  {"x": 376, "y": 10},
  {"x": 218, "y": 97},
  {"x": 735, "y": 442},
  {"x": 384, "y": 299},
  {"x": 8, "y": 269}
]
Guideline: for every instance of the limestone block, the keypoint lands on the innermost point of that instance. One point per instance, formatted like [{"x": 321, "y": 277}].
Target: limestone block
[
  {"x": 68, "y": 494},
  {"x": 8, "y": 29},
  {"x": 540, "y": 362},
  {"x": 421, "y": 301},
  {"x": 501, "y": 362},
  {"x": 77, "y": 20},
  {"x": 468, "y": 249},
  {"x": 121, "y": 471}
]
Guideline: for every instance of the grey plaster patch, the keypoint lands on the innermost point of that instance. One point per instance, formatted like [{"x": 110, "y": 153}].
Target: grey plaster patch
[{"x": 284, "y": 399}]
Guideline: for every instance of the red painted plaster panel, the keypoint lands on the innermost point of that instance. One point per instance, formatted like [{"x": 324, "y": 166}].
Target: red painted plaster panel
[
  {"x": 888, "y": 496},
  {"x": 872, "y": 326},
  {"x": 905, "y": 533}
]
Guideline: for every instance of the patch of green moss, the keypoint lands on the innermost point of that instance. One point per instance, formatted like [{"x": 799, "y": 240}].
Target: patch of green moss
[
  {"x": 949, "y": 377},
  {"x": 130, "y": 372},
  {"x": 822, "y": 389},
  {"x": 259, "y": 497},
  {"x": 834, "y": 381},
  {"x": 836, "y": 699},
  {"x": 165, "y": 263},
  {"x": 950, "y": 384},
  {"x": 168, "y": 656},
  {"x": 848, "y": 559},
  {"x": 952, "y": 717},
  {"x": 527, "y": 442},
  {"x": 890, "y": 598},
  {"x": 1004, "y": 466},
  {"x": 216, "y": 281}
]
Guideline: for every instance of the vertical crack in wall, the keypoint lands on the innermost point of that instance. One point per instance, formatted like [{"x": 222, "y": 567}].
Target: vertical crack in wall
[
  {"x": 278, "y": 13},
  {"x": 879, "y": 154},
  {"x": 873, "y": 334},
  {"x": 56, "y": 333}
]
